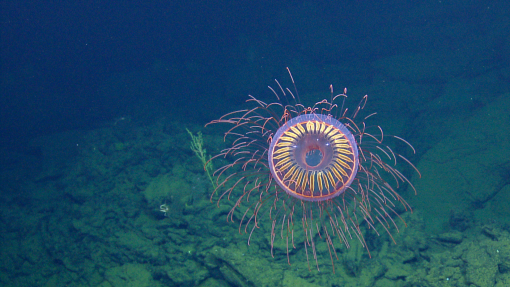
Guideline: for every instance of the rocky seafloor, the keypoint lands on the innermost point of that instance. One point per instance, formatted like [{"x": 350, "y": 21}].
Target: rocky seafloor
[{"x": 85, "y": 209}]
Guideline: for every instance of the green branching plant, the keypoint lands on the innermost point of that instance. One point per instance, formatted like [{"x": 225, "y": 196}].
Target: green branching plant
[{"x": 197, "y": 146}]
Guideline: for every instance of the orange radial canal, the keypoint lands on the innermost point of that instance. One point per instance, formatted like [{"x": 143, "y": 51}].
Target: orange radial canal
[{"x": 313, "y": 157}]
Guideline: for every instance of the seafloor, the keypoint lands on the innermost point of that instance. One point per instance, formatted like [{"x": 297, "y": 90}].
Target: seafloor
[{"x": 83, "y": 209}]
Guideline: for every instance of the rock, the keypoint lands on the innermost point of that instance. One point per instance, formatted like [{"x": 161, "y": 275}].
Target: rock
[
  {"x": 468, "y": 170},
  {"x": 481, "y": 265},
  {"x": 129, "y": 275},
  {"x": 450, "y": 237}
]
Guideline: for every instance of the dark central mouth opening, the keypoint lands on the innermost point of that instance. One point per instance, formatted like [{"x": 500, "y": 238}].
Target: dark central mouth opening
[{"x": 313, "y": 157}]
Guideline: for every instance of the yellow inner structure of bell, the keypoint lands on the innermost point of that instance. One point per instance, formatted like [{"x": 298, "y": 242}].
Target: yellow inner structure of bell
[{"x": 339, "y": 167}]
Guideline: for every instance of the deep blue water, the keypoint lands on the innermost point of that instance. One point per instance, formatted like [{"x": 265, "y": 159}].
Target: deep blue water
[{"x": 59, "y": 59}]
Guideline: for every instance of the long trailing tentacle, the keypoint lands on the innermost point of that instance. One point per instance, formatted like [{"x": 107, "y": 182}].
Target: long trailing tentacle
[{"x": 368, "y": 203}]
